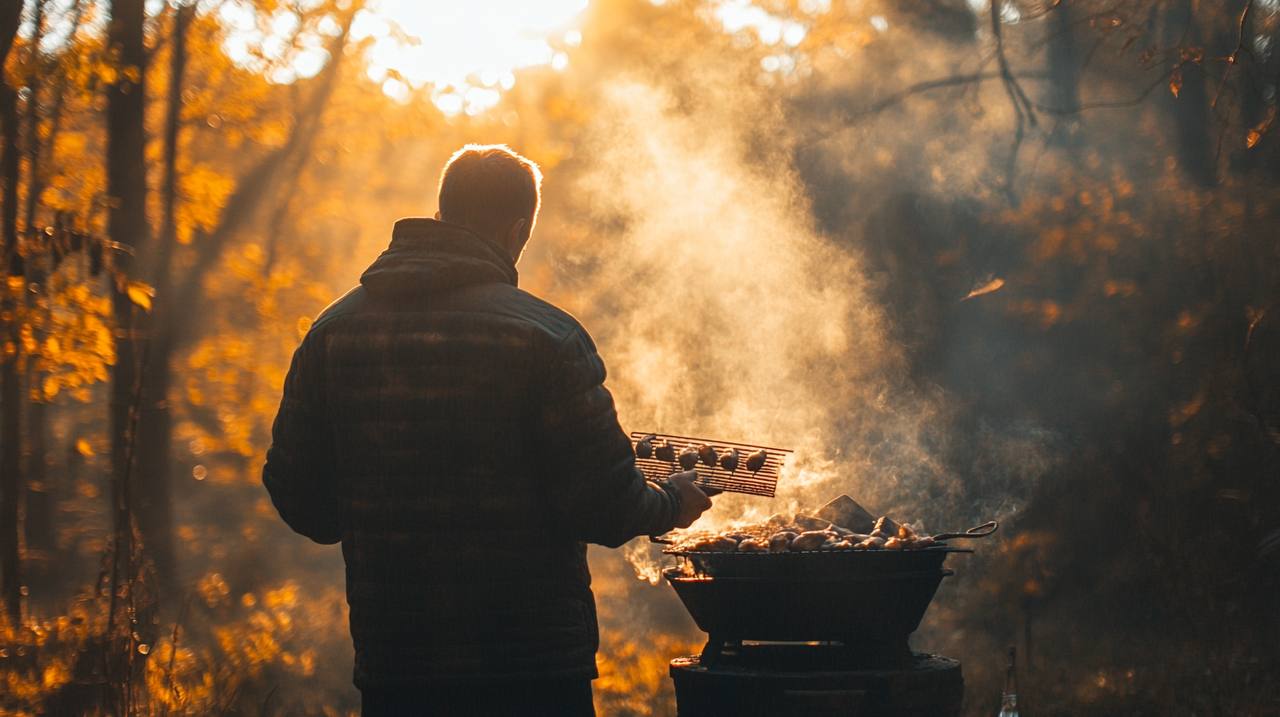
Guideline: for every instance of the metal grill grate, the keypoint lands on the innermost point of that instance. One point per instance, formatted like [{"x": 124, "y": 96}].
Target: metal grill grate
[{"x": 762, "y": 482}]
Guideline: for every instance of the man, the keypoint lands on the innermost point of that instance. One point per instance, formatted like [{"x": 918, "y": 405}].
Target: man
[{"x": 454, "y": 433}]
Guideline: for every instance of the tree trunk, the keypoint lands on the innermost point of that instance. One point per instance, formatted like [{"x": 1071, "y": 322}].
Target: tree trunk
[
  {"x": 127, "y": 226},
  {"x": 1190, "y": 107},
  {"x": 40, "y": 496},
  {"x": 155, "y": 424},
  {"x": 10, "y": 381},
  {"x": 1064, "y": 61}
]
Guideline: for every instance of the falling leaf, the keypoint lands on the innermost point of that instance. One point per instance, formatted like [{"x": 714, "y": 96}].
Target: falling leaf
[
  {"x": 1175, "y": 82},
  {"x": 991, "y": 285},
  {"x": 1255, "y": 134},
  {"x": 83, "y": 447},
  {"x": 140, "y": 294}
]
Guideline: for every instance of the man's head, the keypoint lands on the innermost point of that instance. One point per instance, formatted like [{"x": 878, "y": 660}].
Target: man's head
[{"x": 493, "y": 191}]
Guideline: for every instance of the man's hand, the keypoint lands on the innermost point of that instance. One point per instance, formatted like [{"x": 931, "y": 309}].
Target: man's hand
[{"x": 693, "y": 502}]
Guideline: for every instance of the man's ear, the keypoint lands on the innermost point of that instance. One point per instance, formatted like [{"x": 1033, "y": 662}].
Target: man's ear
[
  {"x": 437, "y": 215},
  {"x": 517, "y": 237}
]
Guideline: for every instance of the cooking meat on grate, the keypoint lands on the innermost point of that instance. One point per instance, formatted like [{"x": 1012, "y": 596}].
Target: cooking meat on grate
[
  {"x": 729, "y": 461},
  {"x": 756, "y": 460},
  {"x": 707, "y": 455},
  {"x": 665, "y": 452},
  {"x": 753, "y": 545},
  {"x": 780, "y": 542},
  {"x": 689, "y": 458},
  {"x": 783, "y": 533},
  {"x": 644, "y": 446},
  {"x": 809, "y": 540},
  {"x": 885, "y": 528}
]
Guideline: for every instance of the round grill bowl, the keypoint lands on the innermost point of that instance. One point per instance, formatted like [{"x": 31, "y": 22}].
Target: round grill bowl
[{"x": 875, "y": 611}]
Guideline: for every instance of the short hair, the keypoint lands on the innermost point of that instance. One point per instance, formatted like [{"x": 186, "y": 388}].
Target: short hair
[{"x": 488, "y": 186}]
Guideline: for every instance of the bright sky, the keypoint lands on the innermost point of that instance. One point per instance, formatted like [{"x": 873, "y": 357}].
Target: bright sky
[{"x": 466, "y": 53}]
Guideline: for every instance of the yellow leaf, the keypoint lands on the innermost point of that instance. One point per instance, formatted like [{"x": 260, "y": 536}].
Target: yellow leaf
[
  {"x": 987, "y": 288},
  {"x": 83, "y": 447},
  {"x": 50, "y": 388},
  {"x": 140, "y": 294},
  {"x": 1256, "y": 133}
]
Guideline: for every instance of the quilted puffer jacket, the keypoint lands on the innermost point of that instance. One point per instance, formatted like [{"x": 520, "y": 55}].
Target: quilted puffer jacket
[{"x": 454, "y": 433}]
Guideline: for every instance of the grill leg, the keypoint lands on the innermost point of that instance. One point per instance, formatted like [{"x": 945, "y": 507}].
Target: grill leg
[{"x": 711, "y": 651}]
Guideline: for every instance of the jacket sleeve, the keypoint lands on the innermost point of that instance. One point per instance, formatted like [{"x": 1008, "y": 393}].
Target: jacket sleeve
[
  {"x": 595, "y": 489},
  {"x": 299, "y": 472}
]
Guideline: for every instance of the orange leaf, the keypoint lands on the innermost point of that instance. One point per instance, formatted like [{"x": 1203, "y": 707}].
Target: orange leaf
[
  {"x": 140, "y": 294},
  {"x": 1252, "y": 139},
  {"x": 83, "y": 447},
  {"x": 1175, "y": 82},
  {"x": 987, "y": 288}
]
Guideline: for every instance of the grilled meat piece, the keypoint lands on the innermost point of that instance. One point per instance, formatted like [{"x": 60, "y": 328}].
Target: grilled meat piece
[
  {"x": 707, "y": 455},
  {"x": 886, "y": 525},
  {"x": 714, "y": 544},
  {"x": 809, "y": 540},
  {"x": 644, "y": 446},
  {"x": 756, "y": 460},
  {"x": 729, "y": 461},
  {"x": 665, "y": 452},
  {"x": 753, "y": 545},
  {"x": 689, "y": 458},
  {"x": 780, "y": 541},
  {"x": 896, "y": 544},
  {"x": 871, "y": 543}
]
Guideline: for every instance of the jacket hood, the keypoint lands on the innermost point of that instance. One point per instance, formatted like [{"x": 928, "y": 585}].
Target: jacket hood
[{"x": 428, "y": 256}]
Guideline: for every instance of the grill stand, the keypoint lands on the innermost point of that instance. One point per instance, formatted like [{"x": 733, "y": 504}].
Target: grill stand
[
  {"x": 851, "y": 655},
  {"x": 810, "y": 680}
]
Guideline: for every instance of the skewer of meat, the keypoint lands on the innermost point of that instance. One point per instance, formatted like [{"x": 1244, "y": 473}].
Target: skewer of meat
[
  {"x": 707, "y": 455},
  {"x": 729, "y": 461},
  {"x": 665, "y": 452},
  {"x": 756, "y": 460},
  {"x": 689, "y": 458},
  {"x": 644, "y": 446}
]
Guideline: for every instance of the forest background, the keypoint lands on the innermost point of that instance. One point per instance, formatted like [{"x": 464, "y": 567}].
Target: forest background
[{"x": 1015, "y": 261}]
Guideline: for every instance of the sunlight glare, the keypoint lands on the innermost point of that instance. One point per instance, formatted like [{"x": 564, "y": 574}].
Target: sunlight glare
[
  {"x": 466, "y": 52},
  {"x": 738, "y": 15}
]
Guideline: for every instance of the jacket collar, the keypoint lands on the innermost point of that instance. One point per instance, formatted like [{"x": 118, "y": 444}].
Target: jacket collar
[{"x": 428, "y": 256}]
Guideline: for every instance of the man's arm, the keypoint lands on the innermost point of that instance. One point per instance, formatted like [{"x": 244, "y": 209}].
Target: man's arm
[
  {"x": 299, "y": 469},
  {"x": 595, "y": 488}
]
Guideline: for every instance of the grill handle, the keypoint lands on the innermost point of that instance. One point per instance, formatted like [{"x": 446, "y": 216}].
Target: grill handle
[{"x": 980, "y": 531}]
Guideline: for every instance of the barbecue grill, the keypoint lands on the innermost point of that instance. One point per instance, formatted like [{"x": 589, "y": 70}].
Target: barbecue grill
[
  {"x": 822, "y": 632},
  {"x": 868, "y": 601}
]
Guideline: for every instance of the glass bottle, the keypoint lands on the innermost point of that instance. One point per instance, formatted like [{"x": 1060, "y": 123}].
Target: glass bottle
[{"x": 1009, "y": 700}]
